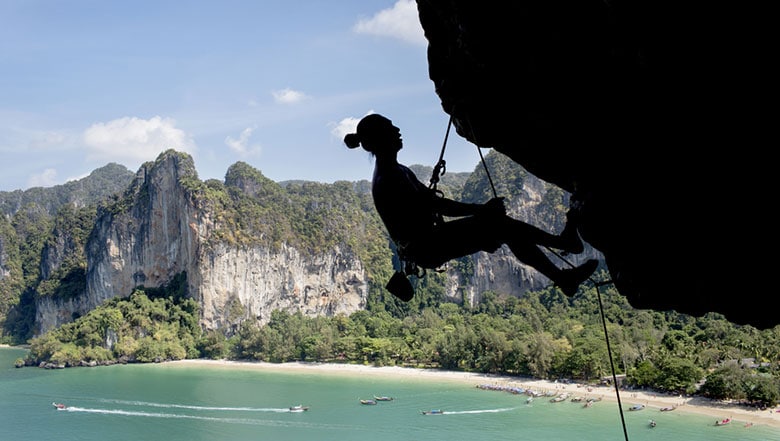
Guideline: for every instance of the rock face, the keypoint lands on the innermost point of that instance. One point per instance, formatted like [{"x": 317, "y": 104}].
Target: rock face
[
  {"x": 263, "y": 280},
  {"x": 648, "y": 113},
  {"x": 164, "y": 231}
]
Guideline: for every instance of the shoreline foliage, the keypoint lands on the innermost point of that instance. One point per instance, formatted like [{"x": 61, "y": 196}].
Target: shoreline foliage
[{"x": 543, "y": 335}]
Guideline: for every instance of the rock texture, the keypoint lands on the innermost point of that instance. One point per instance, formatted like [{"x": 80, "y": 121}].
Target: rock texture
[
  {"x": 649, "y": 113},
  {"x": 164, "y": 231},
  {"x": 263, "y": 280}
]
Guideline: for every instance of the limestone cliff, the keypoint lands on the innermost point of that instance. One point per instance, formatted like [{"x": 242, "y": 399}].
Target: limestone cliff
[
  {"x": 163, "y": 227},
  {"x": 262, "y": 280}
]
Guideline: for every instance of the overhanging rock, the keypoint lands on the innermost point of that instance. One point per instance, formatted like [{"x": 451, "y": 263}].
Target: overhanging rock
[{"x": 647, "y": 113}]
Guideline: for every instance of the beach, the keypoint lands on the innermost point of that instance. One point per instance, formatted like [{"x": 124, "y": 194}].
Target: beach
[{"x": 653, "y": 402}]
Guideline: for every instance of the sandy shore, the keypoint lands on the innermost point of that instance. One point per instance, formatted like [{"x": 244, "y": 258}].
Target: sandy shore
[{"x": 652, "y": 401}]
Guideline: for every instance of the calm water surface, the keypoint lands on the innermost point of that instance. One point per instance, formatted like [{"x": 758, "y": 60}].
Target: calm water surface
[{"x": 187, "y": 403}]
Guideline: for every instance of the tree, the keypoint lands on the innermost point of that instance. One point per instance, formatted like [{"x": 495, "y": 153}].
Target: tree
[
  {"x": 214, "y": 345},
  {"x": 678, "y": 375},
  {"x": 644, "y": 374},
  {"x": 725, "y": 382},
  {"x": 762, "y": 390},
  {"x": 587, "y": 359},
  {"x": 540, "y": 352}
]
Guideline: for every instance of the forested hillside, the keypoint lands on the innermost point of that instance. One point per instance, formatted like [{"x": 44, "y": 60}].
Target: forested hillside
[{"x": 32, "y": 219}]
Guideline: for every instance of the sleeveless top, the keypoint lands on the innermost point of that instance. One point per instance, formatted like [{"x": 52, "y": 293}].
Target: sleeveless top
[{"x": 404, "y": 204}]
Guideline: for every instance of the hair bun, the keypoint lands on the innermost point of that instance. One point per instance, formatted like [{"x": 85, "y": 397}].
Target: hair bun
[{"x": 352, "y": 140}]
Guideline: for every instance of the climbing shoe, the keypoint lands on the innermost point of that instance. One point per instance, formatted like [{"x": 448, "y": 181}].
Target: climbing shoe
[{"x": 570, "y": 279}]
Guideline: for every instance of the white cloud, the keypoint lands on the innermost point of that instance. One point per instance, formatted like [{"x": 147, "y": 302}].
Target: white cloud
[
  {"x": 47, "y": 178},
  {"x": 401, "y": 21},
  {"x": 346, "y": 125},
  {"x": 135, "y": 139},
  {"x": 241, "y": 145},
  {"x": 288, "y": 96}
]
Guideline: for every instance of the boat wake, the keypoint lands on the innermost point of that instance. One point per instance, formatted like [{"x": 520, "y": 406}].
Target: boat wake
[
  {"x": 248, "y": 421},
  {"x": 194, "y": 407},
  {"x": 463, "y": 412}
]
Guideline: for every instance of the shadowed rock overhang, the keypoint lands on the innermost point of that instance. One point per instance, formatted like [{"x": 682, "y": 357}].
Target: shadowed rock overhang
[{"x": 656, "y": 116}]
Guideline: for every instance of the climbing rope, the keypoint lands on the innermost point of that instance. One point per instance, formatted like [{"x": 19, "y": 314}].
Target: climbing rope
[
  {"x": 611, "y": 361},
  {"x": 606, "y": 338},
  {"x": 440, "y": 166},
  {"x": 487, "y": 172}
]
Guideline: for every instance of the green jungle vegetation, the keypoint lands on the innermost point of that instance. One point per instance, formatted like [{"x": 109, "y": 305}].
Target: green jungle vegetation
[
  {"x": 546, "y": 335},
  {"x": 543, "y": 335}
]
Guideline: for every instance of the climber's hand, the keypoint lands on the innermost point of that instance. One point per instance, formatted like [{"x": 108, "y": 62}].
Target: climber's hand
[{"x": 495, "y": 207}]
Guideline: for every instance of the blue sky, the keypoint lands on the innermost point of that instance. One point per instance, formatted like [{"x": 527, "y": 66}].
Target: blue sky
[{"x": 275, "y": 84}]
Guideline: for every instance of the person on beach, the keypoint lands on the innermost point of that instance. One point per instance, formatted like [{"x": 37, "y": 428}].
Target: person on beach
[{"x": 414, "y": 217}]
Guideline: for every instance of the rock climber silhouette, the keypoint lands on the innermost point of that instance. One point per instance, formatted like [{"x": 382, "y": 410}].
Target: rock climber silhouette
[{"x": 414, "y": 217}]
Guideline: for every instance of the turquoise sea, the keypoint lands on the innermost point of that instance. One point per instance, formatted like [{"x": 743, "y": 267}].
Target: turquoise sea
[{"x": 191, "y": 403}]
